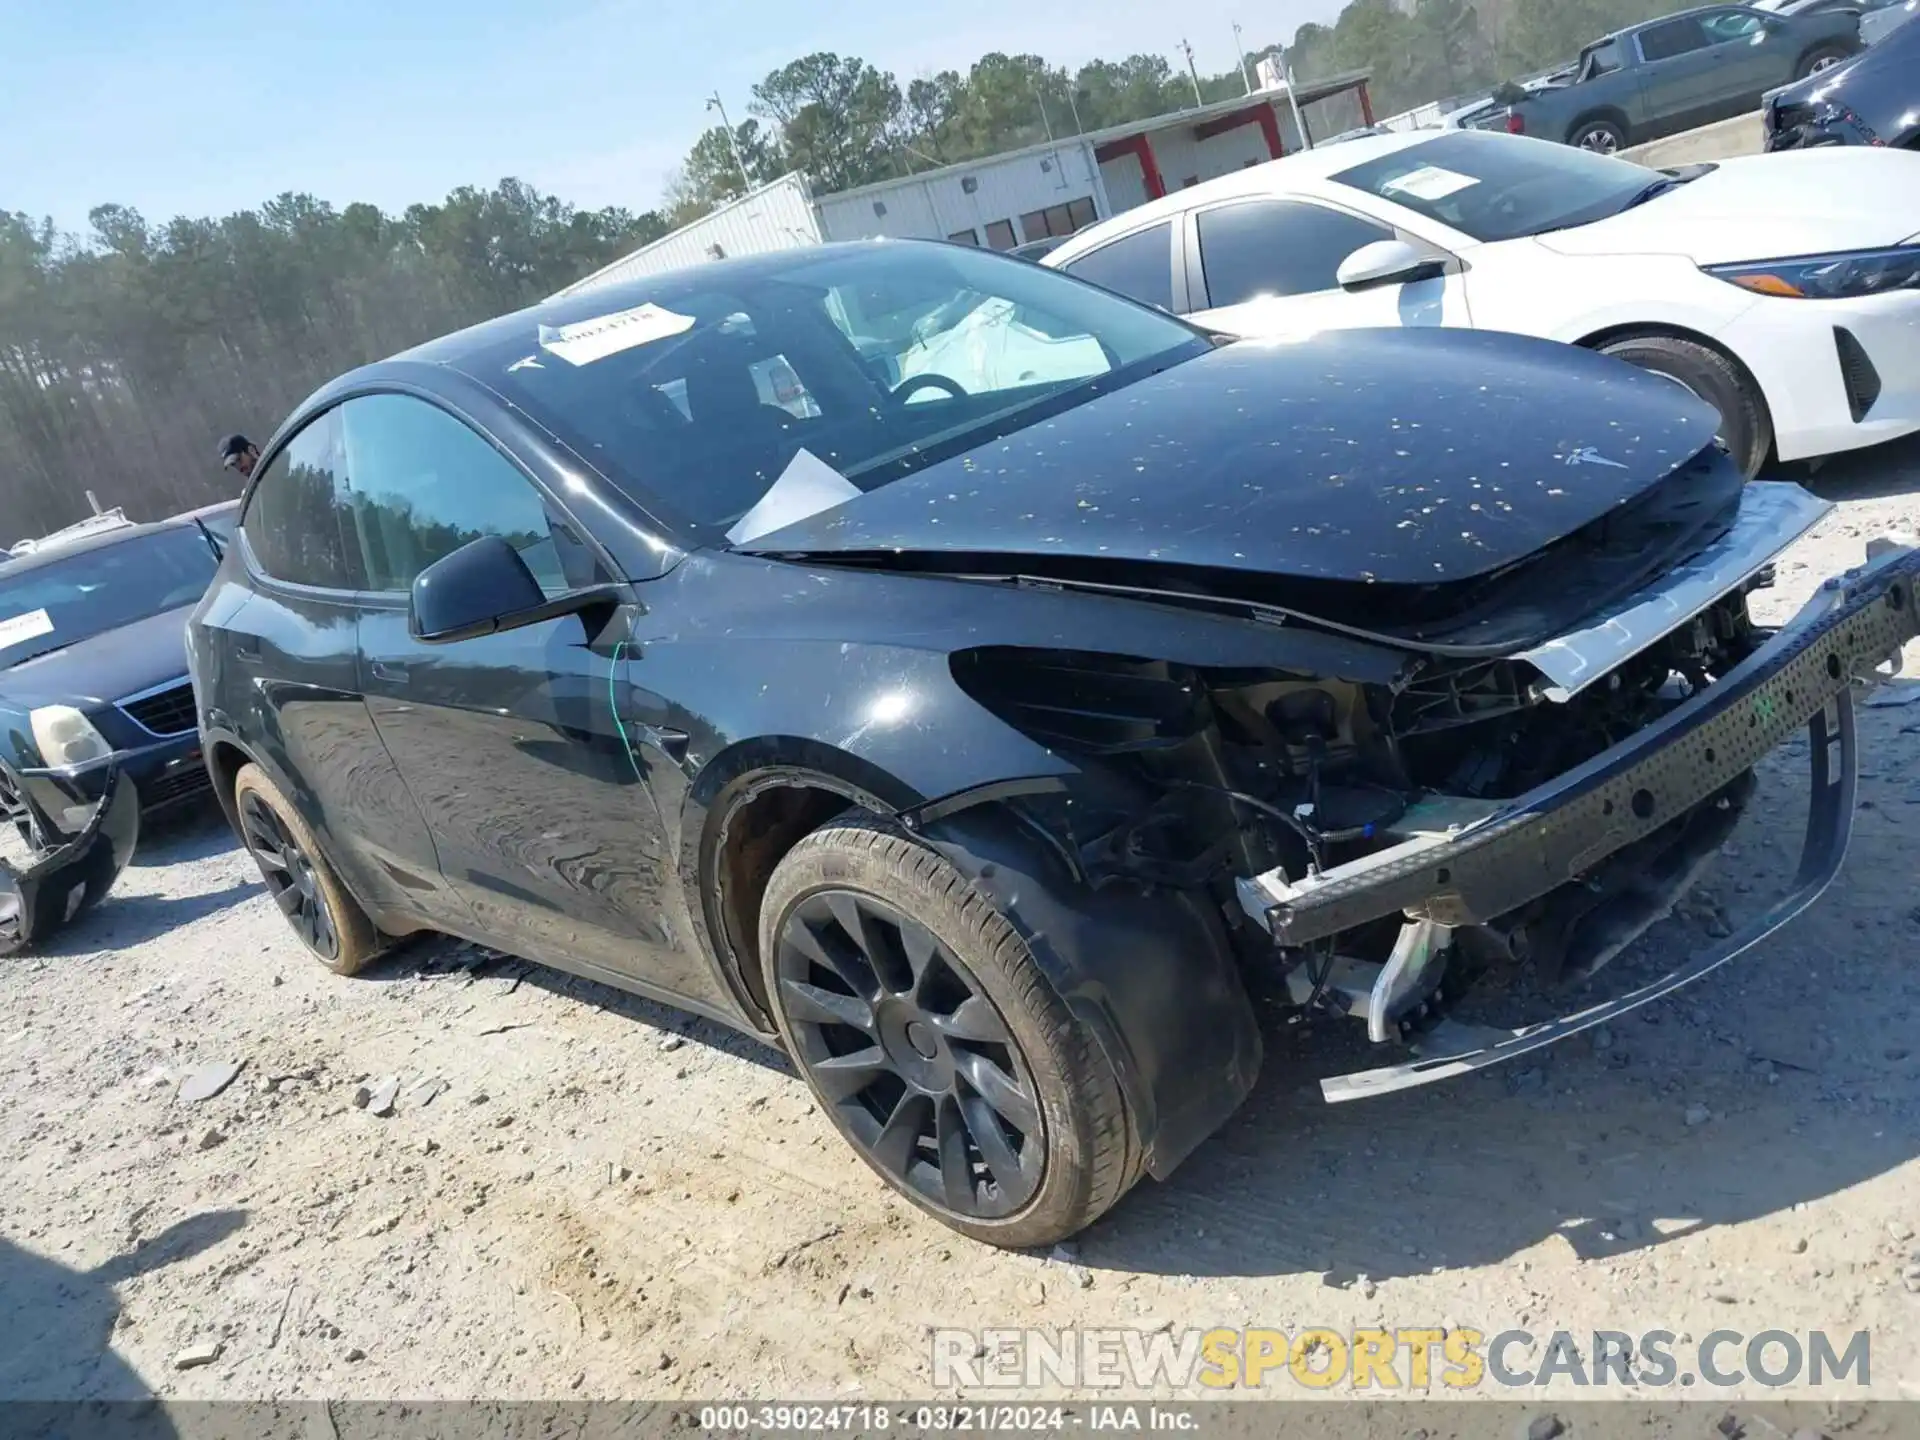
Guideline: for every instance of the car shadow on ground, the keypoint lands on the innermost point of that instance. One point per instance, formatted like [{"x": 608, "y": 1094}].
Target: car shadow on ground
[
  {"x": 1871, "y": 474},
  {"x": 1472, "y": 1172},
  {"x": 121, "y": 921},
  {"x": 59, "y": 1349},
  {"x": 431, "y": 955},
  {"x": 184, "y": 833}
]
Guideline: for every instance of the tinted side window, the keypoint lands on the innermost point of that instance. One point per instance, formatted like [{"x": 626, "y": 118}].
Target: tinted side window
[
  {"x": 1674, "y": 37},
  {"x": 1139, "y": 266},
  {"x": 1277, "y": 247},
  {"x": 424, "y": 484},
  {"x": 293, "y": 521}
]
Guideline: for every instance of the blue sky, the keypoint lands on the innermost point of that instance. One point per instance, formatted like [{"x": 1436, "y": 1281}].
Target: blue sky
[{"x": 207, "y": 106}]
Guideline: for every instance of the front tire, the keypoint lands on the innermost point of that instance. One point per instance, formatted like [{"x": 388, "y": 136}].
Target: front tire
[
  {"x": 1823, "y": 58},
  {"x": 1602, "y": 136},
  {"x": 1710, "y": 376},
  {"x": 335, "y": 930},
  {"x": 934, "y": 1042}
]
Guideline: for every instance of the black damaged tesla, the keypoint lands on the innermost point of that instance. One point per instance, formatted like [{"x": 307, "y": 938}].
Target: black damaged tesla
[{"x": 969, "y": 680}]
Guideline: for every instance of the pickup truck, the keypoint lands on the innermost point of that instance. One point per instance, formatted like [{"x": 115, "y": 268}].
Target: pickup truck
[{"x": 1671, "y": 74}]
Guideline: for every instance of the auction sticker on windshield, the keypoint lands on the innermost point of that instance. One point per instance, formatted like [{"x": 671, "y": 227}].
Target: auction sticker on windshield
[
  {"x": 585, "y": 341},
  {"x": 1429, "y": 182},
  {"x": 30, "y": 626}
]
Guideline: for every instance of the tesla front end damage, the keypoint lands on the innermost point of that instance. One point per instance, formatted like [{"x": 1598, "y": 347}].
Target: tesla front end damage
[
  {"x": 989, "y": 705},
  {"x": 1480, "y": 741}
]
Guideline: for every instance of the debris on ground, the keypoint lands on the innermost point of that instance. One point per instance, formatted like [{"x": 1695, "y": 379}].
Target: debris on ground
[
  {"x": 194, "y": 1356},
  {"x": 209, "y": 1080}
]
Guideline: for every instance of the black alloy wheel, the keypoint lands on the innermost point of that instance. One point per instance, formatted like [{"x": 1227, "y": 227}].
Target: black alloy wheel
[
  {"x": 901, "y": 1040},
  {"x": 289, "y": 874}
]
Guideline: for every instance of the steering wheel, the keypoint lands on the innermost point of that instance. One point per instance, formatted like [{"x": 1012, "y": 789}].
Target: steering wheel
[{"x": 907, "y": 387}]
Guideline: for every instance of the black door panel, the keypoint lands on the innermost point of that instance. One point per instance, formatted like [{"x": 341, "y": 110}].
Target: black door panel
[
  {"x": 541, "y": 815},
  {"x": 543, "y": 819},
  {"x": 295, "y": 655}
]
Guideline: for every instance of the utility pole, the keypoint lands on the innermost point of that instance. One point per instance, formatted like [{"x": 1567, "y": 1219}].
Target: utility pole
[
  {"x": 1040, "y": 100},
  {"x": 1293, "y": 100},
  {"x": 1240, "y": 49},
  {"x": 1194, "y": 75},
  {"x": 733, "y": 141}
]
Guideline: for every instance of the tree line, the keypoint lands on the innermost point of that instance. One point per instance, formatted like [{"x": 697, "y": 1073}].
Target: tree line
[
  {"x": 124, "y": 357},
  {"x": 125, "y": 354}
]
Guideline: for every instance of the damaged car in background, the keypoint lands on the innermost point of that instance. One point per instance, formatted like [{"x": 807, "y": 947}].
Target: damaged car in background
[{"x": 979, "y": 729}]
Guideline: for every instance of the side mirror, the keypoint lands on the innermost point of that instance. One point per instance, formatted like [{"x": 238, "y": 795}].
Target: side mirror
[
  {"x": 1387, "y": 262},
  {"x": 485, "y": 587}
]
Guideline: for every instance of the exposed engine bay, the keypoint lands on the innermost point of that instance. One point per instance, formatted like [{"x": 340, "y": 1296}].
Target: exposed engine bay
[{"x": 1220, "y": 774}]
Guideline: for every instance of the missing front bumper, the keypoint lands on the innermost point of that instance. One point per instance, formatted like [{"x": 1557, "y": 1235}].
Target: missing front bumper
[
  {"x": 1491, "y": 864},
  {"x": 66, "y": 872}
]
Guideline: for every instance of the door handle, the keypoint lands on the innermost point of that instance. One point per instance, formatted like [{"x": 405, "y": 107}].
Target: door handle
[
  {"x": 246, "y": 648},
  {"x": 392, "y": 674}
]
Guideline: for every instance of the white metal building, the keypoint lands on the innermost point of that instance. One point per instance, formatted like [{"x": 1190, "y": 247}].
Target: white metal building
[
  {"x": 1010, "y": 199},
  {"x": 780, "y": 216}
]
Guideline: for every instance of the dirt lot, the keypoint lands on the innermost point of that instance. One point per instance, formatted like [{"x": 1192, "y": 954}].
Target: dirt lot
[{"x": 608, "y": 1199}]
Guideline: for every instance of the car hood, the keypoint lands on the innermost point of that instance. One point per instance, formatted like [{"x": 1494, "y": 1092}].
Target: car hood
[
  {"x": 1761, "y": 207},
  {"x": 1382, "y": 456},
  {"x": 106, "y": 667}
]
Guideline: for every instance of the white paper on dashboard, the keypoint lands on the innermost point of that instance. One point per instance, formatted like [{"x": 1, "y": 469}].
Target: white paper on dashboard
[
  {"x": 30, "y": 626},
  {"x": 806, "y": 487},
  {"x": 1429, "y": 182},
  {"x": 585, "y": 341}
]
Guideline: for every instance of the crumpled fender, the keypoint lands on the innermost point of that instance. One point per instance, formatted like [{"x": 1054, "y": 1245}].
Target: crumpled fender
[
  {"x": 69, "y": 874},
  {"x": 1151, "y": 975}
]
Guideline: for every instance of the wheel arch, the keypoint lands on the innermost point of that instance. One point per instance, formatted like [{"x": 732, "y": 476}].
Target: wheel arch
[
  {"x": 1154, "y": 976},
  {"x": 749, "y": 807},
  {"x": 1649, "y": 329},
  {"x": 225, "y": 756},
  {"x": 1613, "y": 114}
]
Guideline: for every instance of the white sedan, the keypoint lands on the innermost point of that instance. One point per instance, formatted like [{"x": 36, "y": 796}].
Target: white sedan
[{"x": 1783, "y": 289}]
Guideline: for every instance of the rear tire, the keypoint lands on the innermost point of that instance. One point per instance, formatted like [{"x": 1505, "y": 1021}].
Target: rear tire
[
  {"x": 897, "y": 986},
  {"x": 1745, "y": 428},
  {"x": 335, "y": 930},
  {"x": 1823, "y": 58},
  {"x": 1598, "y": 134}
]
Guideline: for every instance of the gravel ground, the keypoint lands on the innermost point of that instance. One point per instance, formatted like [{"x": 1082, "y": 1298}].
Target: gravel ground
[{"x": 609, "y": 1199}]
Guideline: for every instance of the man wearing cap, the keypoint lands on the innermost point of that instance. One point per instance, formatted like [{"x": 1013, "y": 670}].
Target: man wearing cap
[{"x": 239, "y": 453}]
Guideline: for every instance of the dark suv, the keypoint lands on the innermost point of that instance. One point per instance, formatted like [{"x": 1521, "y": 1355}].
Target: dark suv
[{"x": 973, "y": 720}]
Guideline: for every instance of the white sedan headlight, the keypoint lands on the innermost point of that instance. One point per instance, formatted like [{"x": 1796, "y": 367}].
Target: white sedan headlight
[
  {"x": 1827, "y": 277},
  {"x": 66, "y": 737}
]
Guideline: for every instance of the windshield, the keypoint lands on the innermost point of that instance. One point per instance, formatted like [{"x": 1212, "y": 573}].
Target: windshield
[
  {"x": 697, "y": 391},
  {"x": 1498, "y": 187},
  {"x": 51, "y": 603}
]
